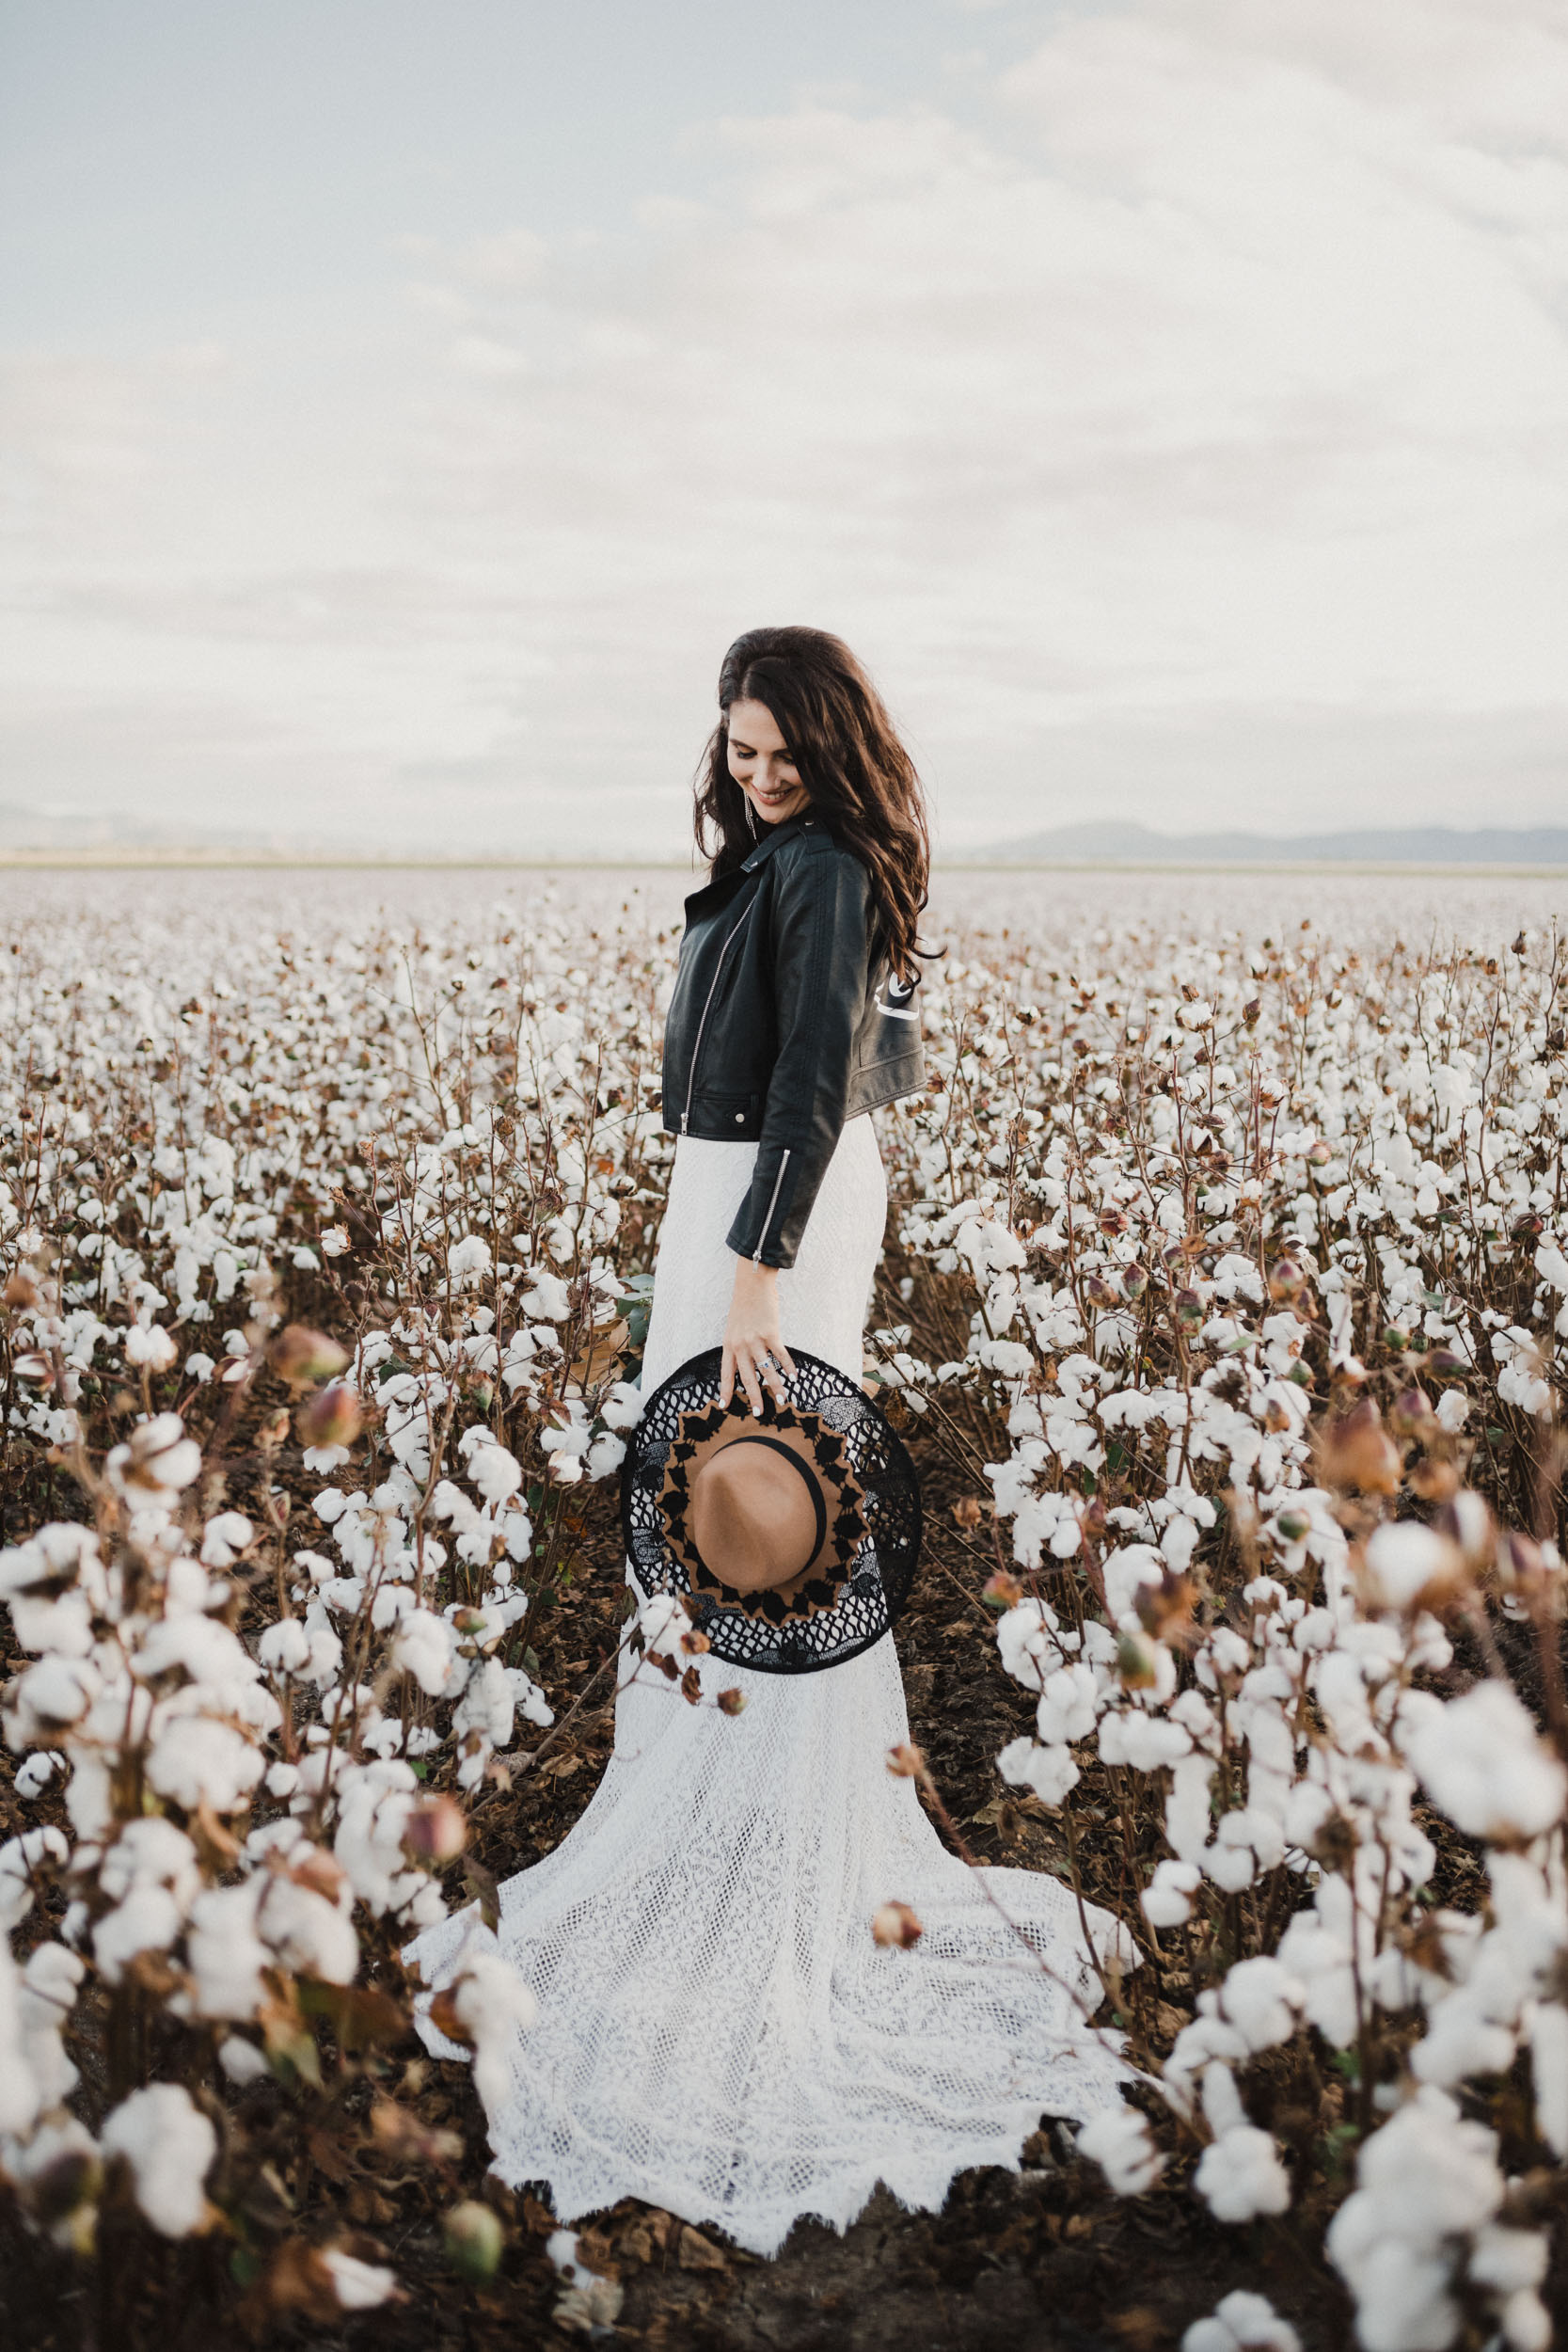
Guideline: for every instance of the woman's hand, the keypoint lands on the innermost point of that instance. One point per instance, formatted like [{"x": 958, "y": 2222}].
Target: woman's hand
[{"x": 752, "y": 1337}]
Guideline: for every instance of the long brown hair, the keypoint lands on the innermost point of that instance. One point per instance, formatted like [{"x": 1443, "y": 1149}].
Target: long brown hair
[{"x": 846, "y": 752}]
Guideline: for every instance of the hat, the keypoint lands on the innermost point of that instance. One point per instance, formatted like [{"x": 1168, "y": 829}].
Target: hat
[{"x": 791, "y": 1534}]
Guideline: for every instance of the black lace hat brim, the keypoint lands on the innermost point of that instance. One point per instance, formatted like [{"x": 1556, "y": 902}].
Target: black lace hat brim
[{"x": 877, "y": 1583}]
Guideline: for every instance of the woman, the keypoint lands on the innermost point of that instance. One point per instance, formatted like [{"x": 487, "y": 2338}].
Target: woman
[{"x": 718, "y": 2033}]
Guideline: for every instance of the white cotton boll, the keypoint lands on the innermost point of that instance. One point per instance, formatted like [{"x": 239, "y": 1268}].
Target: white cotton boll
[
  {"x": 1405, "y": 1561},
  {"x": 224, "y": 1538},
  {"x": 1222, "y": 2102},
  {"x": 1520, "y": 1383},
  {"x": 359, "y": 2286},
  {"x": 495, "y": 1473},
  {"x": 44, "y": 2000},
  {"x": 159, "y": 1456},
  {"x": 1403, "y": 2303},
  {"x": 1234, "y": 1860},
  {"x": 1129, "y": 1736},
  {"x": 448, "y": 1502},
  {"x": 547, "y": 1299},
  {"x": 663, "y": 1620},
  {"x": 169, "y": 2145},
  {"x": 1426, "y": 2178},
  {"x": 199, "y": 1367},
  {"x": 1067, "y": 1707},
  {"x": 1127, "y": 1571},
  {"x": 1027, "y": 1644},
  {"x": 90, "y": 1801},
  {"x": 1121, "y": 2143},
  {"x": 1260, "y": 1999},
  {"x": 1505, "y": 2259},
  {"x": 487, "y": 1704},
  {"x": 623, "y": 1408},
  {"x": 1549, "y": 2071},
  {"x": 1484, "y": 1765},
  {"x": 1321, "y": 1962},
  {"x": 605, "y": 1455},
  {"x": 1527, "y": 2324},
  {"x": 327, "y": 1654},
  {"x": 197, "y": 1761},
  {"x": 329, "y": 1506},
  {"x": 322, "y": 1460},
  {"x": 224, "y": 1954},
  {"x": 373, "y": 1805},
  {"x": 308, "y": 1933},
  {"x": 1187, "y": 1807},
  {"x": 284, "y": 1648},
  {"x": 241, "y": 2060},
  {"x": 1242, "y": 2322},
  {"x": 21, "y": 2096},
  {"x": 493, "y": 2005},
  {"x": 50, "y": 1697},
  {"x": 1050, "y": 1772},
  {"x": 152, "y": 1345},
  {"x": 424, "y": 1650},
  {"x": 148, "y": 1920},
  {"x": 20, "y": 1858},
  {"x": 1453, "y": 1410},
  {"x": 573, "y": 1437},
  {"x": 427, "y": 1908},
  {"x": 1167, "y": 1898},
  {"x": 34, "y": 1776},
  {"x": 1460, "y": 2039},
  {"x": 562, "y": 2248},
  {"x": 1195, "y": 1716},
  {"x": 1240, "y": 2175},
  {"x": 468, "y": 1261},
  {"x": 527, "y": 1698},
  {"x": 1179, "y": 1540}
]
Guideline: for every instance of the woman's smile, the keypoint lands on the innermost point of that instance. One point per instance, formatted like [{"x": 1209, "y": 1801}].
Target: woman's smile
[{"x": 761, "y": 764}]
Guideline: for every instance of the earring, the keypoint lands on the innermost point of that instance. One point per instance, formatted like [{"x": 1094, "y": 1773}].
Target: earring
[{"x": 751, "y": 815}]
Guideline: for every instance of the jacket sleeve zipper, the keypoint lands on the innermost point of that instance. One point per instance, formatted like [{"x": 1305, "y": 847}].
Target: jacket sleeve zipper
[
  {"x": 756, "y": 1254},
  {"x": 697, "y": 1043}
]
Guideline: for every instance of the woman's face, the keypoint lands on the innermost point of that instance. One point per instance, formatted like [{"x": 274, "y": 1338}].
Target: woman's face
[{"x": 760, "y": 763}]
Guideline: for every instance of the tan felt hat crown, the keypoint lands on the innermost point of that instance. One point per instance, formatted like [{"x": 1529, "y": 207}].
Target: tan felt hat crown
[{"x": 767, "y": 1520}]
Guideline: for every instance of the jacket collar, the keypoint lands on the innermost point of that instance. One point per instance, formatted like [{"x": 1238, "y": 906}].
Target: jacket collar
[
  {"x": 759, "y": 857},
  {"x": 765, "y": 848}
]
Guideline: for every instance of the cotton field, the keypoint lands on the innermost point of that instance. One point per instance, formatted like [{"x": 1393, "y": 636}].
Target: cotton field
[{"x": 1227, "y": 1284}]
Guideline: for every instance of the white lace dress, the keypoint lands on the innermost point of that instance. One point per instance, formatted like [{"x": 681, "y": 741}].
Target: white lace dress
[{"x": 716, "y": 2033}]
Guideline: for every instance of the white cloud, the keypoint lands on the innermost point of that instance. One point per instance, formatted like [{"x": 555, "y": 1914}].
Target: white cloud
[{"x": 1182, "y": 430}]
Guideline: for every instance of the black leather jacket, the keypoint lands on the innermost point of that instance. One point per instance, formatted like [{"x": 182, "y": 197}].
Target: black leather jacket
[{"x": 784, "y": 1022}]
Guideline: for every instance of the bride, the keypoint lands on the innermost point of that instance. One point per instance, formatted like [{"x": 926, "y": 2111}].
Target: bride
[{"x": 718, "y": 2033}]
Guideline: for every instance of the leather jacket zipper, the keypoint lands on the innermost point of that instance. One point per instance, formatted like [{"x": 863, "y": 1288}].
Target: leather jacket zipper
[
  {"x": 756, "y": 1254},
  {"x": 697, "y": 1046}
]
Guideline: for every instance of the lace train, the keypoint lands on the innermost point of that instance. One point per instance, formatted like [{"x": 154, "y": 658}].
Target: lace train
[{"x": 718, "y": 2034}]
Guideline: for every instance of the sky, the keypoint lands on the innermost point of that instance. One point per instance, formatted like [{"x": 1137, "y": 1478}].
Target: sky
[{"x": 402, "y": 408}]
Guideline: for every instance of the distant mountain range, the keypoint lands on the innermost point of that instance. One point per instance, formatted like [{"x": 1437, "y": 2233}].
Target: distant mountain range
[
  {"x": 112, "y": 835},
  {"x": 1113, "y": 844}
]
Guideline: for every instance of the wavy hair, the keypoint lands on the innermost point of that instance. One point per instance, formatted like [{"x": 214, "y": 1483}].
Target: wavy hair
[{"x": 861, "y": 781}]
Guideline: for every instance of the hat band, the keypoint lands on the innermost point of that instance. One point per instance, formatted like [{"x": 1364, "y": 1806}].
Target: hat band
[{"x": 813, "y": 1489}]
